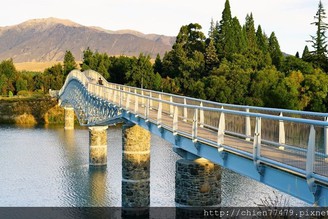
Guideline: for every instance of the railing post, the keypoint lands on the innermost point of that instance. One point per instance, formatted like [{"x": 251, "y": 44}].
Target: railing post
[
  {"x": 247, "y": 126},
  {"x": 121, "y": 97},
  {"x": 142, "y": 98},
  {"x": 185, "y": 110},
  {"x": 171, "y": 106},
  {"x": 114, "y": 95},
  {"x": 159, "y": 111},
  {"x": 257, "y": 141},
  {"x": 150, "y": 100},
  {"x": 325, "y": 137},
  {"x": 201, "y": 116},
  {"x": 194, "y": 126},
  {"x": 147, "y": 108},
  {"x": 175, "y": 120},
  {"x": 136, "y": 104},
  {"x": 282, "y": 135},
  {"x": 127, "y": 102},
  {"x": 221, "y": 129},
  {"x": 310, "y": 155}
]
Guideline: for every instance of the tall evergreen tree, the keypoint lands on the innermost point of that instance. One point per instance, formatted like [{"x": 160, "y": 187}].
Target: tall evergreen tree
[
  {"x": 211, "y": 58},
  {"x": 158, "y": 65},
  {"x": 262, "y": 40},
  {"x": 318, "y": 41},
  {"x": 250, "y": 32},
  {"x": 275, "y": 52},
  {"x": 225, "y": 43},
  {"x": 238, "y": 36},
  {"x": 306, "y": 55},
  {"x": 69, "y": 62}
]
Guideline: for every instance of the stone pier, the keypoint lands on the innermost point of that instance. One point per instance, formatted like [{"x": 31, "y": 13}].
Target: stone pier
[
  {"x": 197, "y": 184},
  {"x": 69, "y": 118},
  {"x": 135, "y": 166},
  {"x": 98, "y": 145}
]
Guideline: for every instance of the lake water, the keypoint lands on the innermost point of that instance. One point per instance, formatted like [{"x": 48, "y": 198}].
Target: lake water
[{"x": 48, "y": 167}]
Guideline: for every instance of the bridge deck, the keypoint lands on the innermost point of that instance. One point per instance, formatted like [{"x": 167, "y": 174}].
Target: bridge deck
[{"x": 297, "y": 160}]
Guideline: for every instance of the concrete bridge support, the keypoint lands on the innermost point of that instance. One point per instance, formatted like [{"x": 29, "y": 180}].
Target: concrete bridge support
[
  {"x": 197, "y": 184},
  {"x": 98, "y": 145},
  {"x": 135, "y": 166},
  {"x": 69, "y": 118}
]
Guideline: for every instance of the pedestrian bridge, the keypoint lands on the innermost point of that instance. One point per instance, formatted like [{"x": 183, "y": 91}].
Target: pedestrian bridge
[{"x": 284, "y": 149}]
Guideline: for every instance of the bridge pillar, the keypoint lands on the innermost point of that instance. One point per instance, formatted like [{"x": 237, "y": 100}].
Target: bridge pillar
[
  {"x": 197, "y": 184},
  {"x": 98, "y": 145},
  {"x": 135, "y": 166},
  {"x": 69, "y": 118}
]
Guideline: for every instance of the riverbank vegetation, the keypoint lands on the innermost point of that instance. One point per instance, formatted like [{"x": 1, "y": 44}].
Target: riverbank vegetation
[{"x": 236, "y": 63}]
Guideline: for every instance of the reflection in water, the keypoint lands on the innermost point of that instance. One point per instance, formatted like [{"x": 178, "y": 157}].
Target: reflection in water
[
  {"x": 97, "y": 186},
  {"x": 50, "y": 167}
]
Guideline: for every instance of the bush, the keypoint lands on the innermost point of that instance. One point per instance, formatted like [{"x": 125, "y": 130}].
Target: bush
[{"x": 24, "y": 93}]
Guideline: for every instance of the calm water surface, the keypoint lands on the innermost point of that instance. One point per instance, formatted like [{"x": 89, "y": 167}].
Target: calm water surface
[{"x": 47, "y": 166}]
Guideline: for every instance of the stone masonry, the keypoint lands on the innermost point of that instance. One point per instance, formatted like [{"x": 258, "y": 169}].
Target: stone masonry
[
  {"x": 135, "y": 166},
  {"x": 98, "y": 145},
  {"x": 197, "y": 183}
]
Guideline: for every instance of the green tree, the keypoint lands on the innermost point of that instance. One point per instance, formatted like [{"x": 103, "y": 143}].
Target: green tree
[
  {"x": 262, "y": 85},
  {"x": 69, "y": 63},
  {"x": 319, "y": 40},
  {"x": 8, "y": 75},
  {"x": 316, "y": 89},
  {"x": 306, "y": 55},
  {"x": 211, "y": 58},
  {"x": 89, "y": 61},
  {"x": 216, "y": 88},
  {"x": 291, "y": 63},
  {"x": 250, "y": 33},
  {"x": 225, "y": 40},
  {"x": 21, "y": 84},
  {"x": 142, "y": 73},
  {"x": 119, "y": 67},
  {"x": 262, "y": 40},
  {"x": 53, "y": 77},
  {"x": 191, "y": 38},
  {"x": 289, "y": 93},
  {"x": 158, "y": 65},
  {"x": 275, "y": 52}
]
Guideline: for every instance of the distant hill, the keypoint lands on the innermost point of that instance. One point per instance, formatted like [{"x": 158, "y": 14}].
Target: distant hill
[{"x": 44, "y": 40}]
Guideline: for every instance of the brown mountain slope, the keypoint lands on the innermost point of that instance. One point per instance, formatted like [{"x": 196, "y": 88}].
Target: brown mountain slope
[{"x": 43, "y": 40}]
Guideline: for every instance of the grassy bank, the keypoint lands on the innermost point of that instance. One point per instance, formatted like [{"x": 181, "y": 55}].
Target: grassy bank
[{"x": 30, "y": 111}]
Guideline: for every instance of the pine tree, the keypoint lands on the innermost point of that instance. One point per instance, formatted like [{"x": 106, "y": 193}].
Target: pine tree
[
  {"x": 238, "y": 36},
  {"x": 158, "y": 65},
  {"x": 250, "y": 32},
  {"x": 275, "y": 52},
  {"x": 225, "y": 44},
  {"x": 211, "y": 58},
  {"x": 262, "y": 40},
  {"x": 319, "y": 40},
  {"x": 297, "y": 55},
  {"x": 306, "y": 56},
  {"x": 69, "y": 63}
]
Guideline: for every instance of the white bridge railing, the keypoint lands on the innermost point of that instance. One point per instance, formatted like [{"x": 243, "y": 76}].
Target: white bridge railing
[{"x": 296, "y": 140}]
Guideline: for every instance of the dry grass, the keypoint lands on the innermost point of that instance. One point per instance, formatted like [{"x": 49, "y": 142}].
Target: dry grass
[
  {"x": 26, "y": 119},
  {"x": 36, "y": 66}
]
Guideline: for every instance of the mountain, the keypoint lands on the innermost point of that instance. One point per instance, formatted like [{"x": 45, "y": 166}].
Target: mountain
[{"x": 43, "y": 40}]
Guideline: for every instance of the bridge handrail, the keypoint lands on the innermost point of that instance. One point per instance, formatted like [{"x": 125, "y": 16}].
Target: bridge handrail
[
  {"x": 278, "y": 110},
  {"x": 228, "y": 111}
]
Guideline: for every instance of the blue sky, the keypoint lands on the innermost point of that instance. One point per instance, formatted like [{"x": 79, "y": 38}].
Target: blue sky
[{"x": 289, "y": 19}]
